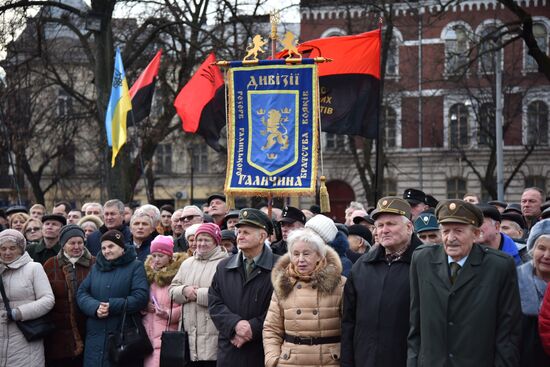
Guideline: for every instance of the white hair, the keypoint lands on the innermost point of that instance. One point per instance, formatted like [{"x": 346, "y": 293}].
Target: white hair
[
  {"x": 195, "y": 208},
  {"x": 152, "y": 211},
  {"x": 141, "y": 214},
  {"x": 308, "y": 236}
]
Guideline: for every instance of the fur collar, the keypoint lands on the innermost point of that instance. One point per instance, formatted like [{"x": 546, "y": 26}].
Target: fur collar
[
  {"x": 326, "y": 280},
  {"x": 164, "y": 276}
]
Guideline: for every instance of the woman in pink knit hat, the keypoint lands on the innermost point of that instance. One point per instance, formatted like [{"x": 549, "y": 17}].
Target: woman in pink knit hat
[
  {"x": 161, "y": 266},
  {"x": 190, "y": 288}
]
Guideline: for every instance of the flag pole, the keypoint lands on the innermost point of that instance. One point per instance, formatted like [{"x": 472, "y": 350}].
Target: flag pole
[
  {"x": 378, "y": 130},
  {"x": 274, "y": 19},
  {"x": 141, "y": 164}
]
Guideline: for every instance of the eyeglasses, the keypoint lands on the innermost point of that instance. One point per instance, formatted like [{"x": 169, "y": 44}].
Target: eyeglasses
[
  {"x": 32, "y": 229},
  {"x": 188, "y": 218}
]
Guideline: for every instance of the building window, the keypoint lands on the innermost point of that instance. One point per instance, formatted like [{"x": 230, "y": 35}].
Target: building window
[
  {"x": 456, "y": 188},
  {"x": 390, "y": 187},
  {"x": 541, "y": 36},
  {"x": 536, "y": 181},
  {"x": 486, "y": 126},
  {"x": 336, "y": 142},
  {"x": 537, "y": 123},
  {"x": 67, "y": 160},
  {"x": 458, "y": 115},
  {"x": 456, "y": 49},
  {"x": 489, "y": 53},
  {"x": 163, "y": 159},
  {"x": 392, "y": 61},
  {"x": 199, "y": 158},
  {"x": 390, "y": 127},
  {"x": 64, "y": 104}
]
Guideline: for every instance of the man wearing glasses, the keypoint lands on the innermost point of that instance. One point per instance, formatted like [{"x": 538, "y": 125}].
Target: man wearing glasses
[{"x": 191, "y": 214}]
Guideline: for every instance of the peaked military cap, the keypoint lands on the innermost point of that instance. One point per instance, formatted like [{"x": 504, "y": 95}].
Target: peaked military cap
[
  {"x": 255, "y": 218},
  {"x": 291, "y": 214},
  {"x": 392, "y": 205},
  {"x": 458, "y": 211},
  {"x": 426, "y": 222},
  {"x": 414, "y": 196}
]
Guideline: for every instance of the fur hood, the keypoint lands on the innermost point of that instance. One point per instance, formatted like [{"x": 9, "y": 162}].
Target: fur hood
[
  {"x": 326, "y": 279},
  {"x": 164, "y": 276}
]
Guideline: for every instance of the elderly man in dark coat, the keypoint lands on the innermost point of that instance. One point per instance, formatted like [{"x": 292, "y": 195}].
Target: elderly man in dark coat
[
  {"x": 240, "y": 293},
  {"x": 375, "y": 319},
  {"x": 465, "y": 304}
]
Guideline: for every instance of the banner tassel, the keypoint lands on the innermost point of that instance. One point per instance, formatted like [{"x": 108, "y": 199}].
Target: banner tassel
[
  {"x": 323, "y": 196},
  {"x": 230, "y": 201}
]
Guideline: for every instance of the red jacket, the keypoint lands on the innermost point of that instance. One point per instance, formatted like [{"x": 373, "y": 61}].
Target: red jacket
[{"x": 544, "y": 322}]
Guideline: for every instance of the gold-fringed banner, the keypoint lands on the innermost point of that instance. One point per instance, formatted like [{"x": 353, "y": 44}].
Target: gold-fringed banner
[{"x": 272, "y": 129}]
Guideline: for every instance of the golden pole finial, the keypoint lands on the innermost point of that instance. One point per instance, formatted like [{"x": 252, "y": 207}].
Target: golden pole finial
[{"x": 274, "y": 19}]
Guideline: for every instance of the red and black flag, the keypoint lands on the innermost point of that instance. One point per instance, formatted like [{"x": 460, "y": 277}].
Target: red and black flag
[
  {"x": 143, "y": 90},
  {"x": 350, "y": 84},
  {"x": 201, "y": 103}
]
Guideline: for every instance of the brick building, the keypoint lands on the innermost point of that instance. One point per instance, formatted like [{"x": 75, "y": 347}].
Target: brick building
[{"x": 439, "y": 96}]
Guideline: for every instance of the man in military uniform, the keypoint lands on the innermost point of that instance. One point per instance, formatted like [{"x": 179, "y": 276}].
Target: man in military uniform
[
  {"x": 427, "y": 229},
  {"x": 292, "y": 218},
  {"x": 375, "y": 320},
  {"x": 241, "y": 291},
  {"x": 465, "y": 305}
]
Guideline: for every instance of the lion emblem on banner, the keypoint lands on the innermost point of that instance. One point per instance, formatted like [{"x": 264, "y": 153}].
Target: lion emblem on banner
[{"x": 275, "y": 130}]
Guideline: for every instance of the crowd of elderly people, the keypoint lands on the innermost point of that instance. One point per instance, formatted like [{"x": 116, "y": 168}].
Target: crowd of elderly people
[{"x": 410, "y": 282}]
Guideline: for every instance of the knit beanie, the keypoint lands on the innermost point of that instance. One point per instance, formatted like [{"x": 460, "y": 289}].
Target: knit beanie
[
  {"x": 192, "y": 229},
  {"x": 542, "y": 227},
  {"x": 70, "y": 231},
  {"x": 114, "y": 236},
  {"x": 212, "y": 229},
  {"x": 163, "y": 244},
  {"x": 323, "y": 226},
  {"x": 14, "y": 236}
]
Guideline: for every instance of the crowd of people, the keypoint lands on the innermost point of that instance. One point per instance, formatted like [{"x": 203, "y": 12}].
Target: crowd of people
[{"x": 410, "y": 282}]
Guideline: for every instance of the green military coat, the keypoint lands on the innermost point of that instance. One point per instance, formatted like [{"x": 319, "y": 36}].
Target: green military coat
[{"x": 475, "y": 322}]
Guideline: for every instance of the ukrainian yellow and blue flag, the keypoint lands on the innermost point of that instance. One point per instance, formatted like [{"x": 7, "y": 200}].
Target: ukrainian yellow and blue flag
[{"x": 117, "y": 110}]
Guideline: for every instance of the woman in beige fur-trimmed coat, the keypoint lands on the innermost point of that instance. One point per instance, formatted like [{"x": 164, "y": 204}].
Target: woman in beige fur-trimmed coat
[{"x": 302, "y": 326}]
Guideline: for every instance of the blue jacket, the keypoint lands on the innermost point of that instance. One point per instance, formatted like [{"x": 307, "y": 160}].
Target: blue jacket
[
  {"x": 93, "y": 242},
  {"x": 114, "y": 282},
  {"x": 509, "y": 246},
  {"x": 340, "y": 244}
]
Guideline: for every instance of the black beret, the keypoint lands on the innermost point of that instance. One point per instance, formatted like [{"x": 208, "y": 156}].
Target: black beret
[
  {"x": 490, "y": 211},
  {"x": 228, "y": 234}
]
